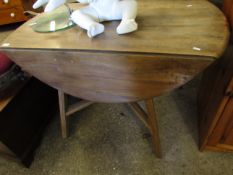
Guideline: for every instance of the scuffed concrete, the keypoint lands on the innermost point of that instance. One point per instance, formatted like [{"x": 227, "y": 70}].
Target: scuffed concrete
[{"x": 108, "y": 139}]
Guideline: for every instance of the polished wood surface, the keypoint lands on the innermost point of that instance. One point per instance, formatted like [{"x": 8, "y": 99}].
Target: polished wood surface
[
  {"x": 12, "y": 11},
  {"x": 193, "y": 27},
  {"x": 176, "y": 40},
  {"x": 105, "y": 77}
]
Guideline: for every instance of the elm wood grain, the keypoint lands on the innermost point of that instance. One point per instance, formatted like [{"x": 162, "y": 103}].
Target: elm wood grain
[
  {"x": 109, "y": 77},
  {"x": 168, "y": 27},
  {"x": 144, "y": 46}
]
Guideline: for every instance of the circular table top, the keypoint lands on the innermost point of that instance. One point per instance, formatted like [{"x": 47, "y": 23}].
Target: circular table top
[
  {"x": 176, "y": 40},
  {"x": 193, "y": 27}
]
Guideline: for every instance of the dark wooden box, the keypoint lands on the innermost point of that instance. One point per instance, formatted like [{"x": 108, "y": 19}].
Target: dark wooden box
[{"x": 23, "y": 121}]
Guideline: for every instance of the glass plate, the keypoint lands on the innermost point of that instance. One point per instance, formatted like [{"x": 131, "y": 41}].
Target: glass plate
[{"x": 56, "y": 20}]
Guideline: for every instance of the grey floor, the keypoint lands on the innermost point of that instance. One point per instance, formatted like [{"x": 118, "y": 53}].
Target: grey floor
[{"x": 107, "y": 139}]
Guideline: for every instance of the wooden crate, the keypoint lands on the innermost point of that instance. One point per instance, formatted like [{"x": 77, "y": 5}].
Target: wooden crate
[{"x": 215, "y": 101}]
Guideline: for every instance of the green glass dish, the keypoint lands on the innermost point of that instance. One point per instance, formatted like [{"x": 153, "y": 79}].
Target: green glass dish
[{"x": 56, "y": 20}]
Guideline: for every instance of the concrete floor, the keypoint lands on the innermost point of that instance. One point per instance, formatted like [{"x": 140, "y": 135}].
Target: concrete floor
[{"x": 107, "y": 139}]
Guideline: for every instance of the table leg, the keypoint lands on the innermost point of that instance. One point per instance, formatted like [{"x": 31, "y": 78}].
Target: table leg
[
  {"x": 150, "y": 121},
  {"x": 64, "y": 119},
  {"x": 67, "y": 110}
]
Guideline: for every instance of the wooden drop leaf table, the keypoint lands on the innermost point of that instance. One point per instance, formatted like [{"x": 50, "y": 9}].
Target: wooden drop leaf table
[{"x": 175, "y": 41}]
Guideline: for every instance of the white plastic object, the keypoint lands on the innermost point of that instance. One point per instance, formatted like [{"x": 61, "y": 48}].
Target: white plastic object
[
  {"x": 50, "y": 4},
  {"x": 97, "y": 11},
  {"x": 6, "y": 1}
]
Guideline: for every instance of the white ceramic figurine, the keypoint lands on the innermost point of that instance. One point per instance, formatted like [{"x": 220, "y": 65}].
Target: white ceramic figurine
[{"x": 97, "y": 11}]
